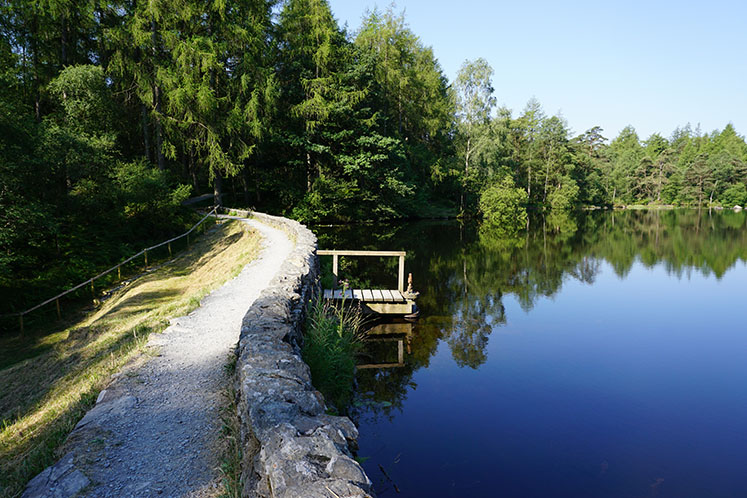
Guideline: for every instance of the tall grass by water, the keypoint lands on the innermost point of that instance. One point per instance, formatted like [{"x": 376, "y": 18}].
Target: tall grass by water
[{"x": 331, "y": 343}]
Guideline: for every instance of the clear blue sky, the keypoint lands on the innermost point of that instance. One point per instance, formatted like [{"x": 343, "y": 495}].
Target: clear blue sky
[{"x": 653, "y": 64}]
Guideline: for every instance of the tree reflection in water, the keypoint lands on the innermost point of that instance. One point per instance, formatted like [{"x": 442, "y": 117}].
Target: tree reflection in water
[{"x": 463, "y": 272}]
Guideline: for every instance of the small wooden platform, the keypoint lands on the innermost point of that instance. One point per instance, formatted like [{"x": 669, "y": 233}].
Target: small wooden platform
[
  {"x": 366, "y": 295},
  {"x": 381, "y": 301}
]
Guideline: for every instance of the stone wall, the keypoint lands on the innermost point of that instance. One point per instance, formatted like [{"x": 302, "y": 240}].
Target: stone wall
[{"x": 291, "y": 447}]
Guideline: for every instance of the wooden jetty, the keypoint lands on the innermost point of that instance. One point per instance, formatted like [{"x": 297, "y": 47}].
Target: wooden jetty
[{"x": 398, "y": 302}]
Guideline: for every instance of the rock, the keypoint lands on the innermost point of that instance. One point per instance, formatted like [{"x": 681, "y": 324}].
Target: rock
[
  {"x": 293, "y": 448},
  {"x": 61, "y": 480}
]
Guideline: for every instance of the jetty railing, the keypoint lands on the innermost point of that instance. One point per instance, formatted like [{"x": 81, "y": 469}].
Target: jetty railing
[
  {"x": 90, "y": 281},
  {"x": 335, "y": 253}
]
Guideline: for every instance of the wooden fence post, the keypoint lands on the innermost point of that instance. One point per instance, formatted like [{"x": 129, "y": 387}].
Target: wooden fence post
[
  {"x": 59, "y": 314},
  {"x": 335, "y": 270},
  {"x": 119, "y": 272},
  {"x": 401, "y": 275},
  {"x": 170, "y": 255}
]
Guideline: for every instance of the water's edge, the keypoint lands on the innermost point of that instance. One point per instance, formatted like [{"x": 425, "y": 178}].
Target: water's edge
[{"x": 291, "y": 448}]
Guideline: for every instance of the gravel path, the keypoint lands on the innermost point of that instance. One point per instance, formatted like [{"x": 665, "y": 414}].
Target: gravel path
[{"x": 155, "y": 430}]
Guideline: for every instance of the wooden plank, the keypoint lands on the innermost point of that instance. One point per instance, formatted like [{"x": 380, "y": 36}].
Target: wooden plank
[
  {"x": 358, "y": 294},
  {"x": 378, "y": 295},
  {"x": 367, "y": 295},
  {"x": 336, "y": 252},
  {"x": 399, "y": 295},
  {"x": 388, "y": 296},
  {"x": 349, "y": 294},
  {"x": 338, "y": 294},
  {"x": 328, "y": 294}
]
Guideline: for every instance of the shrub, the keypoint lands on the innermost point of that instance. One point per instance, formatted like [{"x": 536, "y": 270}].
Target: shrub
[
  {"x": 734, "y": 195},
  {"x": 503, "y": 205},
  {"x": 564, "y": 197},
  {"x": 331, "y": 343}
]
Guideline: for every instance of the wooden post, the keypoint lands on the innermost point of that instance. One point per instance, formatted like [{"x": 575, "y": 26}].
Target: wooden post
[
  {"x": 170, "y": 255},
  {"x": 400, "y": 352},
  {"x": 20, "y": 320},
  {"x": 401, "y": 276},
  {"x": 119, "y": 272},
  {"x": 335, "y": 270},
  {"x": 146, "y": 259},
  {"x": 59, "y": 314}
]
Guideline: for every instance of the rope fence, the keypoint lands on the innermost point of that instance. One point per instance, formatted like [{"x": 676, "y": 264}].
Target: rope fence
[{"x": 90, "y": 281}]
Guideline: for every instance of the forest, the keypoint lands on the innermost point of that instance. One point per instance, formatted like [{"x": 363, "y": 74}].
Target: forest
[{"x": 115, "y": 112}]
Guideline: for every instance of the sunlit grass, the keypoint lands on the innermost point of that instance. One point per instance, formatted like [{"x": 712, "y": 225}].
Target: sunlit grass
[{"x": 44, "y": 396}]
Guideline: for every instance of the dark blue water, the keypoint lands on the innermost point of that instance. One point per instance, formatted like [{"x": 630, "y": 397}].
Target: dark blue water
[{"x": 589, "y": 358}]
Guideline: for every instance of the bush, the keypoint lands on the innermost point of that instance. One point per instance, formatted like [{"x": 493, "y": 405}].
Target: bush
[
  {"x": 504, "y": 205},
  {"x": 734, "y": 195},
  {"x": 331, "y": 343},
  {"x": 564, "y": 197}
]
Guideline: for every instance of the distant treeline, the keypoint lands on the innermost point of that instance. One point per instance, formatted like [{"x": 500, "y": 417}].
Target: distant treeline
[{"x": 115, "y": 112}]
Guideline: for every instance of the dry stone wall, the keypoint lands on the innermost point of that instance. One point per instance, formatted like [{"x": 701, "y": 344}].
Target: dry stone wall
[{"x": 291, "y": 447}]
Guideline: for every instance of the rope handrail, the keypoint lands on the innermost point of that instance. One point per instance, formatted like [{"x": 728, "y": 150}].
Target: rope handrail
[{"x": 92, "y": 279}]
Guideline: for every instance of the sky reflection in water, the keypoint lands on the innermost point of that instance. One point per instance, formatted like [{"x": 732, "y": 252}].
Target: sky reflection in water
[{"x": 596, "y": 355}]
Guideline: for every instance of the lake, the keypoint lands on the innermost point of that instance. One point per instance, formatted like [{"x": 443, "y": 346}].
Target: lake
[{"x": 599, "y": 354}]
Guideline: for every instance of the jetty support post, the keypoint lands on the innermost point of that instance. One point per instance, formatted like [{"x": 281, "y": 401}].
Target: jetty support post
[
  {"x": 401, "y": 275},
  {"x": 335, "y": 270}
]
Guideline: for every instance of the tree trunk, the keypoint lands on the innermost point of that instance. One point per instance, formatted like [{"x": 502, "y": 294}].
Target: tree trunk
[
  {"x": 467, "y": 154},
  {"x": 34, "y": 36},
  {"x": 658, "y": 189},
  {"x": 309, "y": 169},
  {"x": 146, "y": 133},
  {"x": 193, "y": 173},
  {"x": 63, "y": 41},
  {"x": 157, "y": 99},
  {"x": 245, "y": 185},
  {"x": 218, "y": 189}
]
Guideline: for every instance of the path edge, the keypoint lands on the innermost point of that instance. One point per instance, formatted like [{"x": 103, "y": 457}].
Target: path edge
[{"x": 291, "y": 447}]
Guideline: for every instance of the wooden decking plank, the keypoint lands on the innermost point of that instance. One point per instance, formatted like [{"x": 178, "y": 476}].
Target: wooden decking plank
[
  {"x": 358, "y": 294},
  {"x": 388, "y": 297},
  {"x": 378, "y": 295},
  {"x": 400, "y": 297},
  {"x": 367, "y": 295},
  {"x": 349, "y": 294},
  {"x": 327, "y": 293}
]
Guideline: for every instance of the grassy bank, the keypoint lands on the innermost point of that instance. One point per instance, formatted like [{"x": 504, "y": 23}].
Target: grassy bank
[
  {"x": 49, "y": 381},
  {"x": 331, "y": 343}
]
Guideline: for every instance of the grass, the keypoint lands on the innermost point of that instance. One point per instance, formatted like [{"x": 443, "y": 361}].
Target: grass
[
  {"x": 56, "y": 377},
  {"x": 231, "y": 453},
  {"x": 331, "y": 343}
]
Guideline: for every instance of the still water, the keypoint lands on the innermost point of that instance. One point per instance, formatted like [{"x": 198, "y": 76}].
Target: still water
[{"x": 596, "y": 355}]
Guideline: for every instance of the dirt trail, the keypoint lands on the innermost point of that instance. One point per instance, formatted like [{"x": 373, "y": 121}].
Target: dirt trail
[{"x": 155, "y": 430}]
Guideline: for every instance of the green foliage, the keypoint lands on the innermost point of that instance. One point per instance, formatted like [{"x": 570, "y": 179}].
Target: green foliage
[
  {"x": 565, "y": 196},
  {"x": 736, "y": 195},
  {"x": 504, "y": 205},
  {"x": 111, "y": 109},
  {"x": 331, "y": 342}
]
